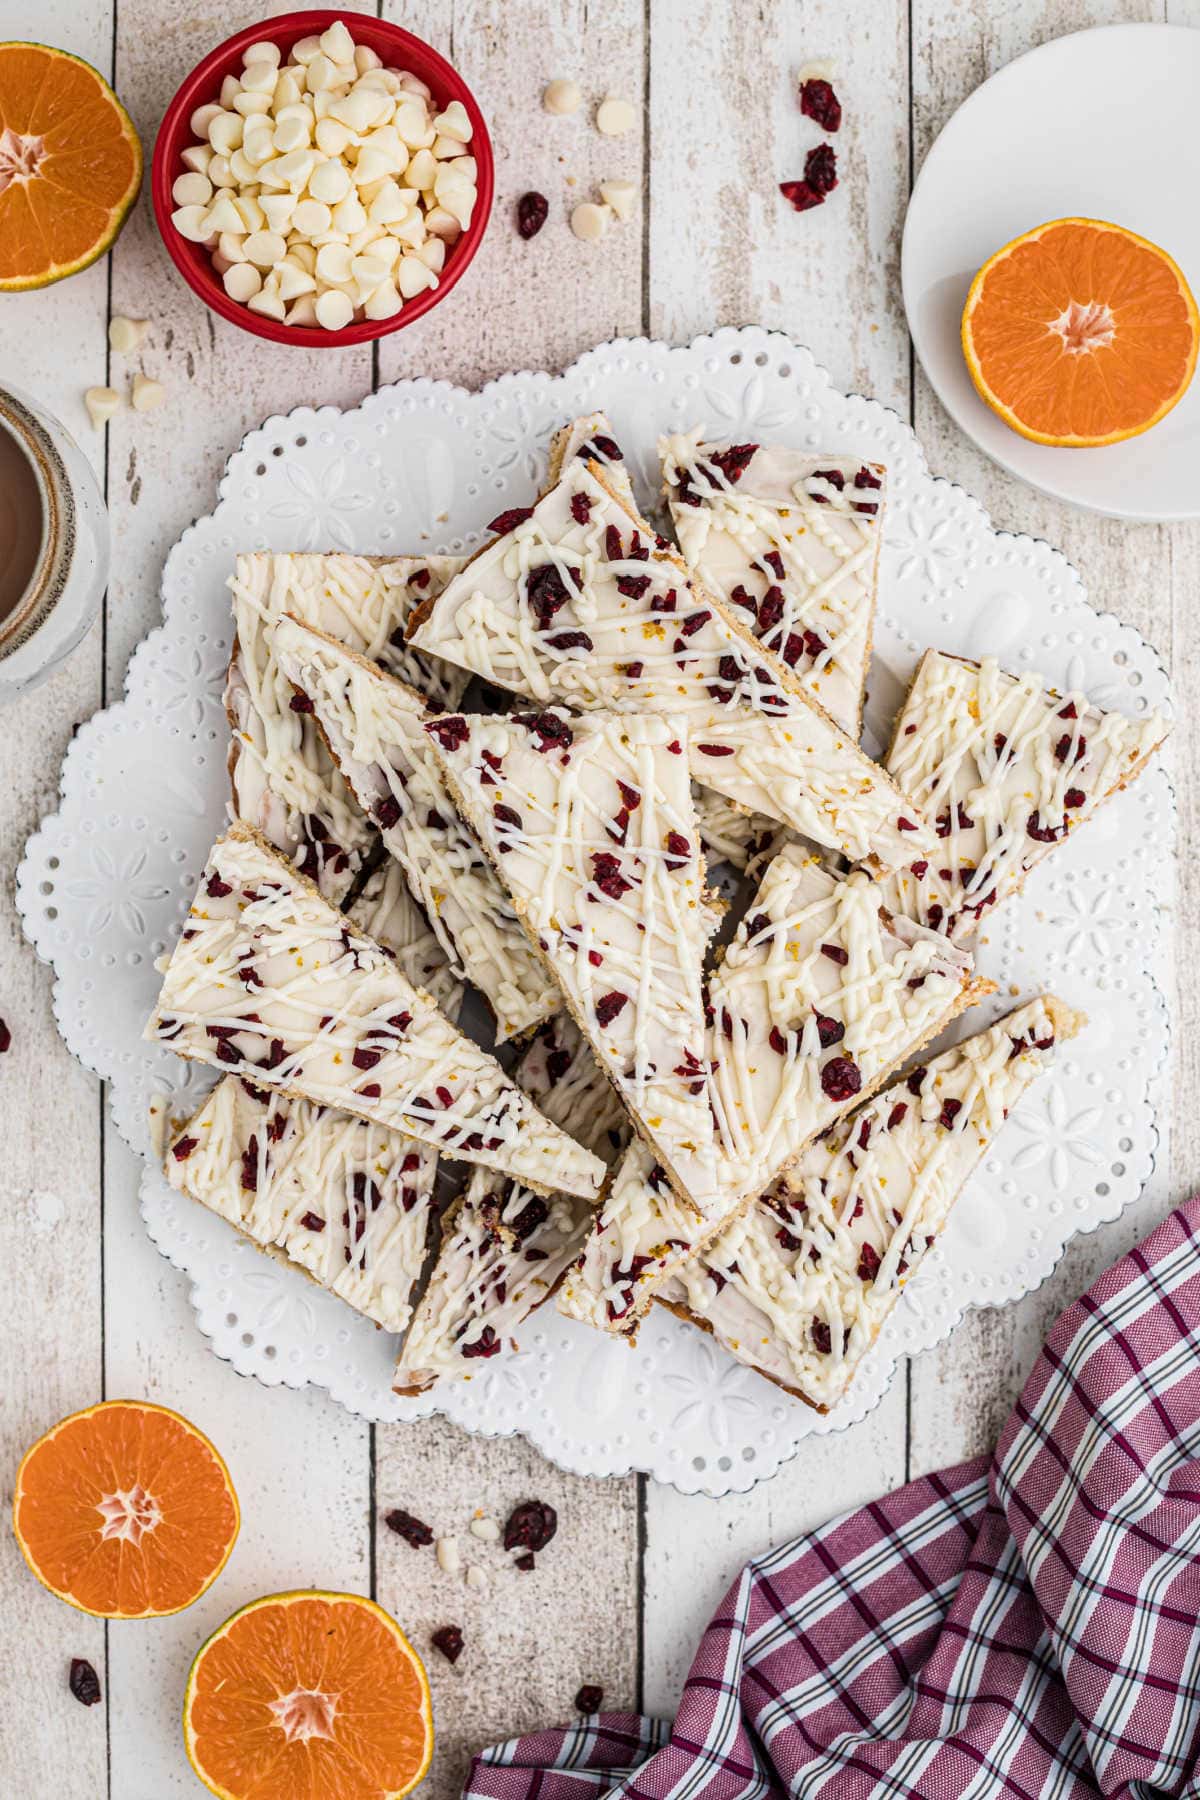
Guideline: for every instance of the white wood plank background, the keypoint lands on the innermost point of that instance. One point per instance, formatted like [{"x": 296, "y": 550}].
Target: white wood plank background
[{"x": 88, "y": 1307}]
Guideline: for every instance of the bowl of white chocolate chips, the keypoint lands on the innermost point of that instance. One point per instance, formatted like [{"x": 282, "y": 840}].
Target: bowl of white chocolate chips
[{"x": 322, "y": 179}]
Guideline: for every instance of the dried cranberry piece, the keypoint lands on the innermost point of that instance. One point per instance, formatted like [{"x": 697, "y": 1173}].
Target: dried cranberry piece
[
  {"x": 1074, "y": 797},
  {"x": 601, "y": 449},
  {"x": 300, "y": 703},
  {"x": 819, "y": 102},
  {"x": 897, "y": 1114},
  {"x": 633, "y": 671},
  {"x": 800, "y": 195},
  {"x": 365, "y": 1059},
  {"x": 589, "y": 1699},
  {"x": 678, "y": 849},
  {"x": 524, "y": 1563},
  {"x": 1044, "y": 834},
  {"x": 608, "y": 1006},
  {"x": 535, "y": 1212},
  {"x": 510, "y": 519},
  {"x": 506, "y": 815},
  {"x": 918, "y": 868},
  {"x": 486, "y": 1344},
  {"x": 693, "y": 622},
  {"x": 412, "y": 1530},
  {"x": 451, "y": 732},
  {"x": 581, "y": 508},
  {"x": 533, "y": 209},
  {"x": 570, "y": 640},
  {"x": 836, "y": 954},
  {"x": 743, "y": 598},
  {"x": 250, "y": 1166},
  {"x": 822, "y": 1337},
  {"x": 865, "y": 478},
  {"x": 915, "y": 1080},
  {"x": 770, "y": 610},
  {"x": 530, "y": 1526},
  {"x": 557, "y": 1064},
  {"x": 84, "y": 1681},
  {"x": 606, "y": 873},
  {"x": 5, "y": 1038},
  {"x": 777, "y": 1041},
  {"x": 1063, "y": 748},
  {"x": 215, "y": 888},
  {"x": 734, "y": 460},
  {"x": 950, "y": 1111},
  {"x": 840, "y": 1078},
  {"x": 546, "y": 591},
  {"x": 868, "y": 1262},
  {"x": 830, "y": 1031},
  {"x": 183, "y": 1149},
  {"x": 707, "y": 749},
  {"x": 820, "y": 168},
  {"x": 386, "y": 812},
  {"x": 551, "y": 731},
  {"x": 312, "y": 1221},
  {"x": 632, "y": 586},
  {"x": 449, "y": 1640}
]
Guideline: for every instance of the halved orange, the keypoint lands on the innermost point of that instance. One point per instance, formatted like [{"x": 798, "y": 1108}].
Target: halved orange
[
  {"x": 70, "y": 165},
  {"x": 311, "y": 1694},
  {"x": 125, "y": 1511},
  {"x": 1080, "y": 333}
]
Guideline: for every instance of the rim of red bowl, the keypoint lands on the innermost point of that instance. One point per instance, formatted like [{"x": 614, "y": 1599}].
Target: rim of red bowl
[{"x": 397, "y": 47}]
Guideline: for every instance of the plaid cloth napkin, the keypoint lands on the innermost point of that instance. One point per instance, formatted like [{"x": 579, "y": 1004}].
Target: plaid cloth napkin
[{"x": 1024, "y": 1625}]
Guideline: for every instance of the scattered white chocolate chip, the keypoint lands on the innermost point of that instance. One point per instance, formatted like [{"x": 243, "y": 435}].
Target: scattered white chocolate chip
[
  {"x": 476, "y": 1579},
  {"x": 562, "y": 97},
  {"x": 447, "y": 1555},
  {"x": 126, "y": 334},
  {"x": 485, "y": 1529},
  {"x": 621, "y": 196},
  {"x": 102, "y": 403},
  {"x": 589, "y": 221},
  {"x": 326, "y": 186},
  {"x": 147, "y": 394},
  {"x": 615, "y": 117}
]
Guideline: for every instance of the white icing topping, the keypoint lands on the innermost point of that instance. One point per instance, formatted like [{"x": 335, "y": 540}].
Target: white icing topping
[
  {"x": 590, "y": 824},
  {"x": 503, "y": 1251},
  {"x": 283, "y": 780},
  {"x": 347, "y": 1200},
  {"x": 579, "y": 603},
  {"x": 819, "y": 996},
  {"x": 993, "y": 759},
  {"x": 269, "y": 982},
  {"x": 592, "y": 438},
  {"x": 792, "y": 541},
  {"x": 800, "y": 1284},
  {"x": 373, "y": 725}
]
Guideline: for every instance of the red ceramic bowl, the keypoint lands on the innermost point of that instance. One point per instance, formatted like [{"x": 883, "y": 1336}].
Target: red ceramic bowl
[{"x": 399, "y": 50}]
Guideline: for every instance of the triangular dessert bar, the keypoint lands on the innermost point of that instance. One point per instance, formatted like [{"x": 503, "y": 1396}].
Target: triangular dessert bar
[
  {"x": 791, "y": 540},
  {"x": 799, "y": 1286},
  {"x": 578, "y": 601},
  {"x": 268, "y": 982},
  {"x": 374, "y": 728},
  {"x": 1005, "y": 768}
]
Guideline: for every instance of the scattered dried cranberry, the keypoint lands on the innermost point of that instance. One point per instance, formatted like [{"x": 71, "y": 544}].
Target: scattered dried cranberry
[
  {"x": 868, "y": 1262},
  {"x": 312, "y": 1221},
  {"x": 734, "y": 460},
  {"x": 485, "y": 1345},
  {"x": 5, "y": 1037},
  {"x": 413, "y": 1531},
  {"x": 300, "y": 703},
  {"x": 840, "y": 1078},
  {"x": 449, "y": 1640},
  {"x": 589, "y": 1699},
  {"x": 387, "y": 812},
  {"x": 451, "y": 732},
  {"x": 215, "y": 888},
  {"x": 830, "y": 1031},
  {"x": 678, "y": 849},
  {"x": 85, "y": 1683},
  {"x": 533, "y": 209},
  {"x": 822, "y": 1337},
  {"x": 950, "y": 1111},
  {"x": 183, "y": 1149},
  {"x": 581, "y": 508},
  {"x": 1044, "y": 834},
  {"x": 897, "y": 1114},
  {"x": 508, "y": 521},
  {"x": 800, "y": 195},
  {"x": 820, "y": 169},
  {"x": 836, "y": 954},
  {"x": 530, "y": 1526},
  {"x": 606, "y": 873},
  {"x": 819, "y": 102},
  {"x": 550, "y": 729},
  {"x": 524, "y": 1563},
  {"x": 608, "y": 1006}
]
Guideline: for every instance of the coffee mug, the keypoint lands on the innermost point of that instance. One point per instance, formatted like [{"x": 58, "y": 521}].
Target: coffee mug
[{"x": 54, "y": 543}]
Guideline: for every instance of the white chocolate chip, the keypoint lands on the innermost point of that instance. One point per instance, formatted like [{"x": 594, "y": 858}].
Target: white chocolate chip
[
  {"x": 384, "y": 303},
  {"x": 197, "y": 157},
  {"x": 486, "y": 1529},
  {"x": 413, "y": 277},
  {"x": 147, "y": 394},
  {"x": 260, "y": 77},
  {"x": 447, "y": 1555},
  {"x": 102, "y": 403},
  {"x": 337, "y": 43},
  {"x": 268, "y": 303},
  {"x": 220, "y": 172},
  {"x": 203, "y": 117},
  {"x": 562, "y": 97},
  {"x": 223, "y": 216},
  {"x": 621, "y": 196},
  {"x": 305, "y": 49},
  {"x": 260, "y": 53},
  {"x": 225, "y": 132},
  {"x": 454, "y": 122},
  {"x": 589, "y": 221},
  {"x": 615, "y": 117},
  {"x": 231, "y": 87},
  {"x": 334, "y": 309},
  {"x": 189, "y": 223},
  {"x": 125, "y": 335},
  {"x": 242, "y": 282},
  {"x": 330, "y": 182},
  {"x": 302, "y": 311},
  {"x": 265, "y": 248},
  {"x": 477, "y": 1581}
]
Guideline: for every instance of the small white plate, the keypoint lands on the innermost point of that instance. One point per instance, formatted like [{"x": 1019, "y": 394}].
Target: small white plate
[{"x": 1102, "y": 124}]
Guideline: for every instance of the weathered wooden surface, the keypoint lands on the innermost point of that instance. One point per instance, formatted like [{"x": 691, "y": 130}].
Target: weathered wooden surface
[{"x": 620, "y": 1596}]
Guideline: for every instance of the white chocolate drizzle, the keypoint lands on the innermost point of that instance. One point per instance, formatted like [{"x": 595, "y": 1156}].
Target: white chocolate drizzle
[
  {"x": 346, "y": 1200},
  {"x": 503, "y": 1249},
  {"x": 580, "y": 603},
  {"x": 373, "y": 726},
  {"x": 799, "y": 1285},
  {"x": 1004, "y": 768},
  {"x": 820, "y": 995},
  {"x": 791, "y": 541},
  {"x": 284, "y": 782},
  {"x": 270, "y": 983},
  {"x": 590, "y": 824}
]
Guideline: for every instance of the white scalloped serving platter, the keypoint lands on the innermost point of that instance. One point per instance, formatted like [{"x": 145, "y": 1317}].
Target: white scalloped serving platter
[{"x": 422, "y": 466}]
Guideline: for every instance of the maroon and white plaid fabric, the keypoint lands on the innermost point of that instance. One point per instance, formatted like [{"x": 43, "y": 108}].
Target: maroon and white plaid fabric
[{"x": 1025, "y": 1625}]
